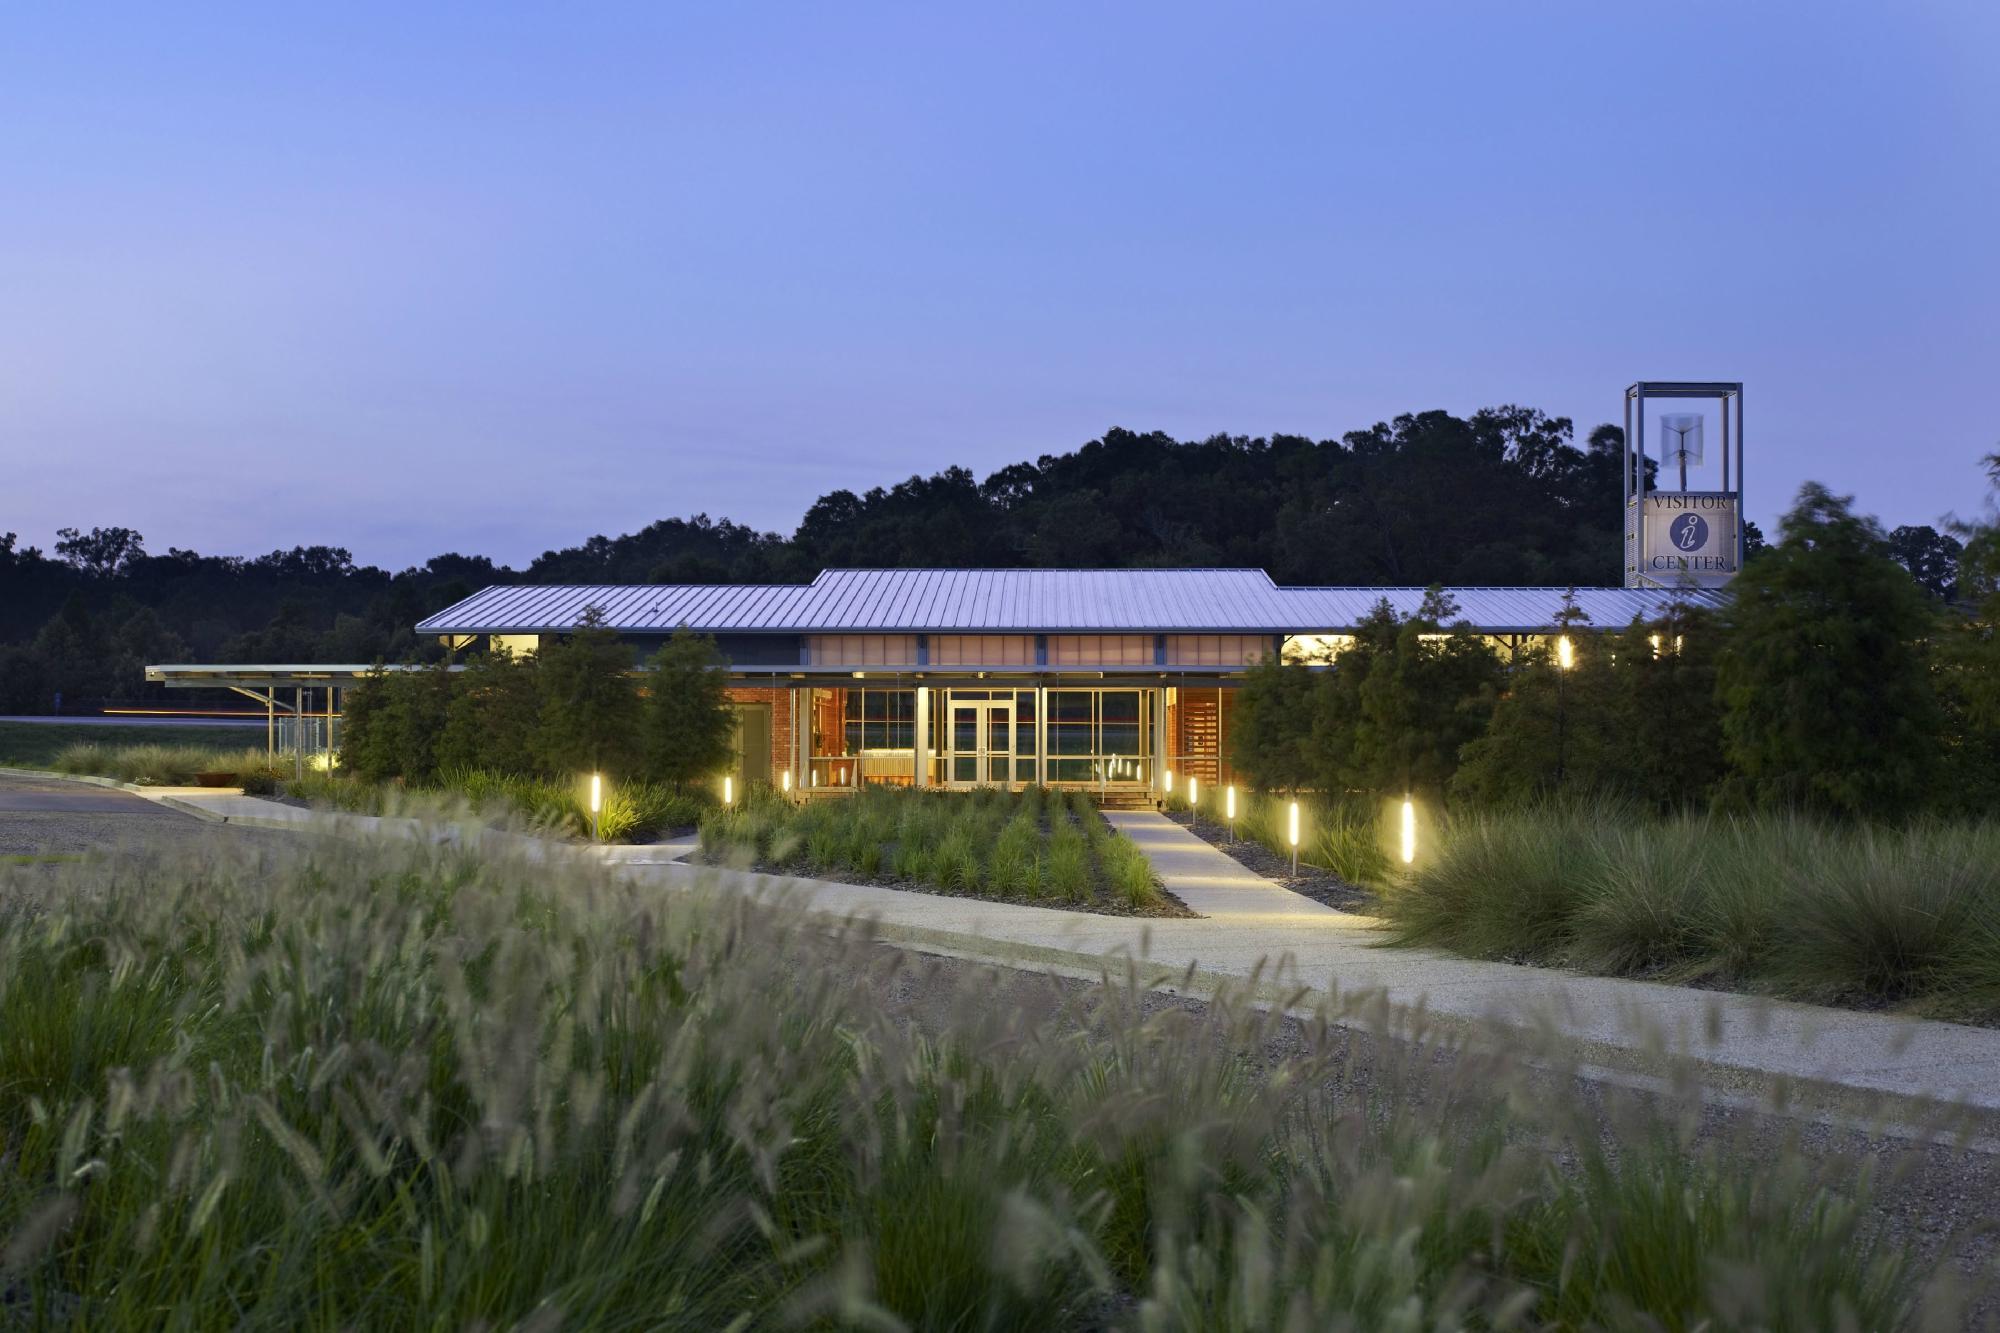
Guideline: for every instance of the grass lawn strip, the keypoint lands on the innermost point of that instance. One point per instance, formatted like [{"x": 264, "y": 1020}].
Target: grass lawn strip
[{"x": 1038, "y": 847}]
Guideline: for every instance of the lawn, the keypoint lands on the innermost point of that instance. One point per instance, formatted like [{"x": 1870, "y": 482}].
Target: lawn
[
  {"x": 390, "y": 1086},
  {"x": 1905, "y": 916},
  {"x": 38, "y": 744},
  {"x": 1035, "y": 846}
]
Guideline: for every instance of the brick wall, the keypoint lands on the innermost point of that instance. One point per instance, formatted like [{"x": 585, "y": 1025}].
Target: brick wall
[{"x": 780, "y": 701}]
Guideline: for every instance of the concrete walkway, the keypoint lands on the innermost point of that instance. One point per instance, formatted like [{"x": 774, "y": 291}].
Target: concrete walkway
[{"x": 1251, "y": 927}]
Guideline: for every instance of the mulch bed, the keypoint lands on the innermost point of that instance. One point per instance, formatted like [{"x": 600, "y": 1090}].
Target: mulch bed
[{"x": 1322, "y": 886}]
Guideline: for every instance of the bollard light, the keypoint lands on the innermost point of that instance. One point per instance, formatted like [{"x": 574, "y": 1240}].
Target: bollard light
[
  {"x": 1409, "y": 830},
  {"x": 1229, "y": 810},
  {"x": 788, "y": 782},
  {"x": 596, "y": 804},
  {"x": 1194, "y": 793},
  {"x": 728, "y": 790},
  {"x": 1170, "y": 782},
  {"x": 1292, "y": 835}
]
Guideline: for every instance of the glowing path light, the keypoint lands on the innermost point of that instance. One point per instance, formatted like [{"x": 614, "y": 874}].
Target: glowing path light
[
  {"x": 1409, "y": 831},
  {"x": 1292, "y": 836},
  {"x": 596, "y": 803},
  {"x": 1229, "y": 810},
  {"x": 728, "y": 791},
  {"x": 788, "y": 782}
]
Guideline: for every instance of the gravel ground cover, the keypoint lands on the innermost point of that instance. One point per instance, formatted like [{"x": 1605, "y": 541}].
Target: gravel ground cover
[
  {"x": 1311, "y": 881},
  {"x": 43, "y": 817},
  {"x": 1936, "y": 1193}
]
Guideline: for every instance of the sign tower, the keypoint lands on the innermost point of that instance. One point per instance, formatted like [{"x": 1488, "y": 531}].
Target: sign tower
[{"x": 1674, "y": 536}]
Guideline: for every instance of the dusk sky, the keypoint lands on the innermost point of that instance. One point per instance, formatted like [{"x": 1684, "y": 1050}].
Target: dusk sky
[{"x": 410, "y": 279}]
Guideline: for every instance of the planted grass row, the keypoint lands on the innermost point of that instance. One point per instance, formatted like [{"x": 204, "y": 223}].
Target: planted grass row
[
  {"x": 1774, "y": 904},
  {"x": 155, "y": 765},
  {"x": 631, "y": 811},
  {"x": 1037, "y": 845},
  {"x": 1346, "y": 837},
  {"x": 40, "y": 744},
  {"x": 399, "y": 1085}
]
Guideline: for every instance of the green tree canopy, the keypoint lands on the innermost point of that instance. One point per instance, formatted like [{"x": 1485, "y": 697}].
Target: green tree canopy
[
  {"x": 1269, "y": 727},
  {"x": 688, "y": 725},
  {"x": 1401, "y": 702},
  {"x": 589, "y": 703},
  {"x": 1559, "y": 725},
  {"x": 494, "y": 715},
  {"x": 1826, "y": 689}
]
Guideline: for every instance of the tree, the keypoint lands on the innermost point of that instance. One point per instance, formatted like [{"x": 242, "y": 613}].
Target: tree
[
  {"x": 1969, "y": 663},
  {"x": 1558, "y": 726},
  {"x": 1826, "y": 690},
  {"x": 689, "y": 725},
  {"x": 589, "y": 707},
  {"x": 1667, "y": 673},
  {"x": 101, "y": 551},
  {"x": 1401, "y": 702},
  {"x": 1272, "y": 721},
  {"x": 367, "y": 749},
  {"x": 1931, "y": 557},
  {"x": 491, "y": 720}
]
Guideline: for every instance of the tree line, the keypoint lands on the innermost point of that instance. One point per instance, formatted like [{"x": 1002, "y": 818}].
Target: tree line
[
  {"x": 1834, "y": 681},
  {"x": 1503, "y": 496},
  {"x": 574, "y": 707}
]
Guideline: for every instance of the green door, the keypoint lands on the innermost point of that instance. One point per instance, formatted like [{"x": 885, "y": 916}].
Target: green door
[{"x": 753, "y": 744}]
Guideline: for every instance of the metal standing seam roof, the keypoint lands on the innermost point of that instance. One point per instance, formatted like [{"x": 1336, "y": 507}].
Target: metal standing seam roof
[{"x": 1016, "y": 601}]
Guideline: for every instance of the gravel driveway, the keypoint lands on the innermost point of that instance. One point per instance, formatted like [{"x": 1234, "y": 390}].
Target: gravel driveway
[{"x": 48, "y": 816}]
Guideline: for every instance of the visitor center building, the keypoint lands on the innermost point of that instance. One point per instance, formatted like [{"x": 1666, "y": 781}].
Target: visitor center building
[{"x": 1102, "y": 679}]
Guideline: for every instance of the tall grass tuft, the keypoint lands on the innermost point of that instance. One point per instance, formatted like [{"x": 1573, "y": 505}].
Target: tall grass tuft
[
  {"x": 156, "y": 765},
  {"x": 388, "y": 1085},
  {"x": 1033, "y": 844},
  {"x": 1772, "y": 903}
]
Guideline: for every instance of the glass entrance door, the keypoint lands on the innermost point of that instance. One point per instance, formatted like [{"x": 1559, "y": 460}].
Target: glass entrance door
[{"x": 982, "y": 743}]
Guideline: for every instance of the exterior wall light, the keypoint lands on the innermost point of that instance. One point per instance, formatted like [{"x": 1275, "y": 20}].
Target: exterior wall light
[
  {"x": 1409, "y": 830},
  {"x": 1565, "y": 653}
]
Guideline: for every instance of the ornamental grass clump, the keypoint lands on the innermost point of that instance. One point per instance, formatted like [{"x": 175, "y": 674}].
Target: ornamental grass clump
[
  {"x": 1777, "y": 904},
  {"x": 156, "y": 765},
  {"x": 1029, "y": 845},
  {"x": 387, "y": 1085},
  {"x": 1068, "y": 862},
  {"x": 1014, "y": 869}
]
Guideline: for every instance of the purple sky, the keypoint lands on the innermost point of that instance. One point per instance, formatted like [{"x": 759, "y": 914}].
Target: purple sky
[{"x": 493, "y": 279}]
